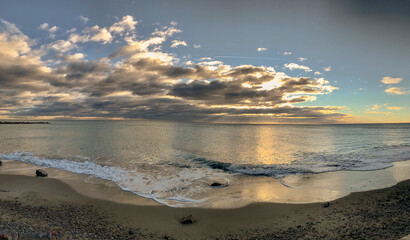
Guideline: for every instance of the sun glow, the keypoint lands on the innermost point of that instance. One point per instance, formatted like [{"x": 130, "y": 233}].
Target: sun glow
[{"x": 270, "y": 85}]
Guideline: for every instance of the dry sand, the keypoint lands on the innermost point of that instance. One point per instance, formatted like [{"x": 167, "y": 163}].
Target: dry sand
[{"x": 31, "y": 206}]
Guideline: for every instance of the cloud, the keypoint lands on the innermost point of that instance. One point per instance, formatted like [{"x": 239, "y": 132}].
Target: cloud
[
  {"x": 137, "y": 46},
  {"x": 99, "y": 35},
  {"x": 43, "y": 26},
  {"x": 394, "y": 90},
  {"x": 397, "y": 91},
  {"x": 145, "y": 82},
  {"x": 293, "y": 66},
  {"x": 390, "y": 80},
  {"x": 92, "y": 34},
  {"x": 287, "y": 53},
  {"x": 51, "y": 30},
  {"x": 71, "y": 30},
  {"x": 166, "y": 32},
  {"x": 378, "y": 112},
  {"x": 62, "y": 45},
  {"x": 23, "y": 75},
  {"x": 196, "y": 45},
  {"x": 142, "y": 46},
  {"x": 261, "y": 49},
  {"x": 127, "y": 24},
  {"x": 302, "y": 59},
  {"x": 317, "y": 73},
  {"x": 327, "y": 69},
  {"x": 176, "y": 43},
  {"x": 83, "y": 19},
  {"x": 394, "y": 108},
  {"x": 234, "y": 92},
  {"x": 10, "y": 28},
  {"x": 378, "y": 109},
  {"x": 71, "y": 58},
  {"x": 375, "y": 107}
]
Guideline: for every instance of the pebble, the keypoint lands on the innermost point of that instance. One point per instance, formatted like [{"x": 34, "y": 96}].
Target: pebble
[{"x": 187, "y": 220}]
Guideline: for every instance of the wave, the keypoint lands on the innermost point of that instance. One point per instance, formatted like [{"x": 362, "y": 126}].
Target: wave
[
  {"x": 272, "y": 170},
  {"x": 176, "y": 187},
  {"x": 313, "y": 162}
]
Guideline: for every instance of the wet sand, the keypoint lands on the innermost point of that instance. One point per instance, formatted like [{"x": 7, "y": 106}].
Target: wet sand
[{"x": 31, "y": 206}]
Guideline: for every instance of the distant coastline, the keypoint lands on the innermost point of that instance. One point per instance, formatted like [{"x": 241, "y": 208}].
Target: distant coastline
[{"x": 12, "y": 122}]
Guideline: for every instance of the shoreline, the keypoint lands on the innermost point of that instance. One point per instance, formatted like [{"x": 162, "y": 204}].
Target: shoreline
[
  {"x": 32, "y": 206},
  {"x": 295, "y": 189}
]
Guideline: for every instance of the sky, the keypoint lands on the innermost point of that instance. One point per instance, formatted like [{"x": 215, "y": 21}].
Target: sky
[{"x": 206, "y": 61}]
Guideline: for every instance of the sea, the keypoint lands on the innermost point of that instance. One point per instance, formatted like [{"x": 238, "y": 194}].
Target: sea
[{"x": 181, "y": 164}]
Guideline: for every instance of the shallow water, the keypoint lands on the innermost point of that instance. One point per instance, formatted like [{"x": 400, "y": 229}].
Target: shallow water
[{"x": 174, "y": 163}]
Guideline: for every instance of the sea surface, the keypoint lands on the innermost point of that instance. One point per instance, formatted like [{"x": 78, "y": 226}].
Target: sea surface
[{"x": 175, "y": 163}]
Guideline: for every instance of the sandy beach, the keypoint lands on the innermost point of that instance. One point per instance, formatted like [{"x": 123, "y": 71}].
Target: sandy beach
[{"x": 43, "y": 208}]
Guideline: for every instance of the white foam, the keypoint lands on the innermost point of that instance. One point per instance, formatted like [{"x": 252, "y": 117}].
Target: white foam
[{"x": 169, "y": 185}]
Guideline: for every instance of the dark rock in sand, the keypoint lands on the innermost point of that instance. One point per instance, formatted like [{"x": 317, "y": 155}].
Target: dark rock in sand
[
  {"x": 216, "y": 184},
  {"x": 41, "y": 173},
  {"x": 326, "y": 205},
  {"x": 187, "y": 220},
  {"x": 1, "y": 163}
]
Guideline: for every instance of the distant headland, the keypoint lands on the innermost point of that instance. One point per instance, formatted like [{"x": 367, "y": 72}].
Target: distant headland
[{"x": 12, "y": 122}]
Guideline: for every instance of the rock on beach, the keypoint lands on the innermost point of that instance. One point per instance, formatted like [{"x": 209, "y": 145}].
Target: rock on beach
[
  {"x": 41, "y": 173},
  {"x": 187, "y": 220}
]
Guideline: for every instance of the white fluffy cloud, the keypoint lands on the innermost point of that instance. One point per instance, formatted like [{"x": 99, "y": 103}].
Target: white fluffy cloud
[
  {"x": 293, "y": 66},
  {"x": 92, "y": 34},
  {"x": 43, "y": 26},
  {"x": 100, "y": 35},
  {"x": 261, "y": 49},
  {"x": 127, "y": 24},
  {"x": 176, "y": 43},
  {"x": 62, "y": 45},
  {"x": 327, "y": 69}
]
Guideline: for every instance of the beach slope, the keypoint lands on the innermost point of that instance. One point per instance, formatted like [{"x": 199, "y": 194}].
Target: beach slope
[{"x": 40, "y": 208}]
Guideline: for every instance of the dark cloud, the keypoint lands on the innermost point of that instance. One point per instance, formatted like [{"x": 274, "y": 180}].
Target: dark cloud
[
  {"x": 233, "y": 92},
  {"x": 80, "y": 73},
  {"x": 221, "y": 93},
  {"x": 174, "y": 109}
]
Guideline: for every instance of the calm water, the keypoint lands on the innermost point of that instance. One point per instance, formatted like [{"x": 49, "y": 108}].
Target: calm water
[{"x": 176, "y": 162}]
